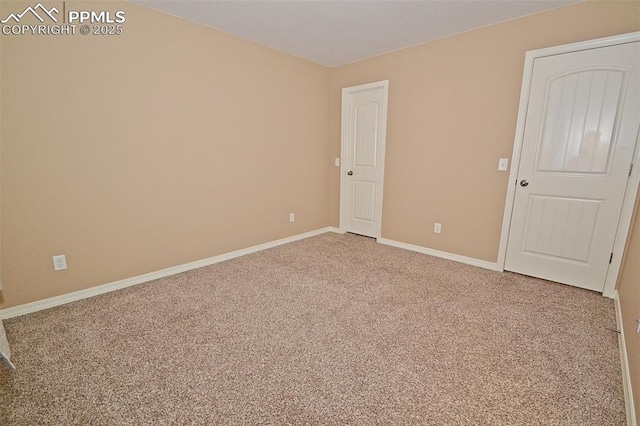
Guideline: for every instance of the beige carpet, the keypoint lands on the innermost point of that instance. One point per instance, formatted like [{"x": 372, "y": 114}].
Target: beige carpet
[{"x": 330, "y": 330}]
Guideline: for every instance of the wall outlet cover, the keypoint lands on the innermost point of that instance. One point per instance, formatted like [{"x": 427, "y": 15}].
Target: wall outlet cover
[{"x": 59, "y": 262}]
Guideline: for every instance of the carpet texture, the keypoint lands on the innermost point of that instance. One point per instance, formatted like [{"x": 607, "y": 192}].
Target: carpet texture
[{"x": 334, "y": 329}]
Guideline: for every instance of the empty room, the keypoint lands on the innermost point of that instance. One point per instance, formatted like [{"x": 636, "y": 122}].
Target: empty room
[{"x": 320, "y": 212}]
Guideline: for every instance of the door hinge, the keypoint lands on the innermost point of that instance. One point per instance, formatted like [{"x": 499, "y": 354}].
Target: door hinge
[
  {"x": 610, "y": 258},
  {"x": 630, "y": 169}
]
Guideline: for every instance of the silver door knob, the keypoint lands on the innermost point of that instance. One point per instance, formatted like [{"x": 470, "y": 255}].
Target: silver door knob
[
  {"x": 524, "y": 182},
  {"x": 350, "y": 173}
]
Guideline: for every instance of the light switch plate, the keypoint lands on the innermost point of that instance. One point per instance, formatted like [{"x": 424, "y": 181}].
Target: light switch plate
[
  {"x": 337, "y": 162},
  {"x": 503, "y": 164}
]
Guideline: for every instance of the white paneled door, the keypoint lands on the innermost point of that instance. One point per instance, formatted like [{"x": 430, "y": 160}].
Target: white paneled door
[
  {"x": 364, "y": 130},
  {"x": 579, "y": 138}
]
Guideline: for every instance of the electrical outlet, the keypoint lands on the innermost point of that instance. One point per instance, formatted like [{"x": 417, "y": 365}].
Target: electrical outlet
[
  {"x": 59, "y": 262},
  {"x": 437, "y": 228},
  {"x": 292, "y": 217}
]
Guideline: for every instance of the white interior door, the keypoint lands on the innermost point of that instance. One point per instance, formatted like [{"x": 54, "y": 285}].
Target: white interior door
[
  {"x": 364, "y": 132},
  {"x": 579, "y": 139}
]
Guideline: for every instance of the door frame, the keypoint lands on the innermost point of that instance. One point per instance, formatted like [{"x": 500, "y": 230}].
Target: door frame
[
  {"x": 632, "y": 184},
  {"x": 346, "y": 93}
]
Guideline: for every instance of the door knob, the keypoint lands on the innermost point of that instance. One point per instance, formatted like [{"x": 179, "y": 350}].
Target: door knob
[
  {"x": 524, "y": 182},
  {"x": 350, "y": 173}
]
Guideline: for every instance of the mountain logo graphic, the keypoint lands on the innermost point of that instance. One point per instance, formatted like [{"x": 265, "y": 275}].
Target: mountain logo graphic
[{"x": 34, "y": 11}]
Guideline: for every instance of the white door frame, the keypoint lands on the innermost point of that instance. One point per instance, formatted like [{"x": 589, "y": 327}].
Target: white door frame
[
  {"x": 632, "y": 184},
  {"x": 384, "y": 84}
]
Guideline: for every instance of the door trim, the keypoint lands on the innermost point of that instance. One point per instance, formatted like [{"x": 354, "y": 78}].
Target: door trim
[
  {"x": 346, "y": 92},
  {"x": 632, "y": 184}
]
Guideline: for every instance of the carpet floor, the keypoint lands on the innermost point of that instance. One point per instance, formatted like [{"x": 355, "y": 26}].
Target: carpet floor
[{"x": 334, "y": 329}]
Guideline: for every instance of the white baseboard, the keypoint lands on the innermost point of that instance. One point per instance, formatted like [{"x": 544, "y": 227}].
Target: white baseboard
[
  {"x": 443, "y": 254},
  {"x": 128, "y": 282},
  {"x": 335, "y": 230},
  {"x": 624, "y": 361}
]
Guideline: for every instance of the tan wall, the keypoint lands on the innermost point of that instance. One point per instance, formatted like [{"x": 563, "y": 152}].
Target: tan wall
[
  {"x": 171, "y": 143},
  {"x": 629, "y": 294},
  {"x": 453, "y": 106}
]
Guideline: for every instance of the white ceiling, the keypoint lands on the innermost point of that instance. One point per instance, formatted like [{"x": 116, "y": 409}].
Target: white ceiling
[{"x": 337, "y": 32}]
